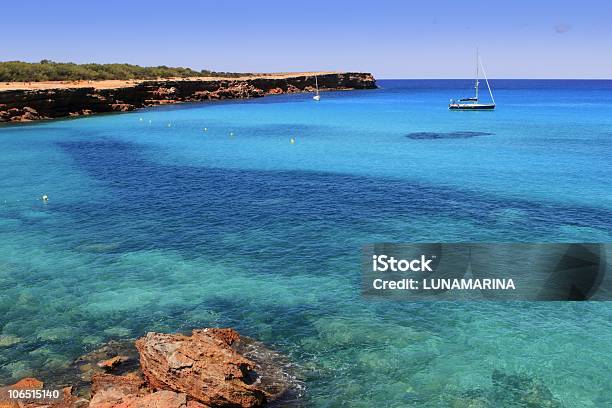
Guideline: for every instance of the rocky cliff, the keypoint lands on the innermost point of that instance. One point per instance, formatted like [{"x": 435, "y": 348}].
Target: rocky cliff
[{"x": 19, "y": 105}]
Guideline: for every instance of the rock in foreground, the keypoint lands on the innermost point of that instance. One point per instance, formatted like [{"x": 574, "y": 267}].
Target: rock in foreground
[
  {"x": 210, "y": 368},
  {"x": 203, "y": 366},
  {"x": 67, "y": 400}
]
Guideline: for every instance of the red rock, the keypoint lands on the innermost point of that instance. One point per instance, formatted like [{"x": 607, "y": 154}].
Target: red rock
[
  {"x": 67, "y": 401},
  {"x": 121, "y": 107},
  {"x": 70, "y": 401},
  {"x": 166, "y": 101},
  {"x": 228, "y": 336},
  {"x": 206, "y": 369},
  {"x": 196, "y": 404},
  {"x": 23, "y": 114},
  {"x": 204, "y": 366},
  {"x": 159, "y": 399},
  {"x": 110, "y": 390},
  {"x": 24, "y": 384},
  {"x": 130, "y": 384},
  {"x": 275, "y": 91},
  {"x": 163, "y": 92},
  {"x": 28, "y": 384},
  {"x": 111, "y": 363},
  {"x": 88, "y": 365},
  {"x": 121, "y": 392}
]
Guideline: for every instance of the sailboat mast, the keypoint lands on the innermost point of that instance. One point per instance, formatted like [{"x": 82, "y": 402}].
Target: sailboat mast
[
  {"x": 487, "y": 80},
  {"x": 476, "y": 86},
  {"x": 317, "y": 84}
]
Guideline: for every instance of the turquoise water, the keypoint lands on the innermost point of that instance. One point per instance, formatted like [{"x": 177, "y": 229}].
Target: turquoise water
[{"x": 154, "y": 223}]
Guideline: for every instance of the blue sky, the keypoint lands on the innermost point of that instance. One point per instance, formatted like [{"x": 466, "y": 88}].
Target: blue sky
[{"x": 392, "y": 39}]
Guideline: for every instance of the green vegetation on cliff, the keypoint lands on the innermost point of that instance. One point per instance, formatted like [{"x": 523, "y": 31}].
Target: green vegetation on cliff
[{"x": 45, "y": 70}]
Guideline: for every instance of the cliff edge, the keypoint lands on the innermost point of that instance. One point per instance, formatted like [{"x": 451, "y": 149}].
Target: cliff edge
[{"x": 29, "y": 102}]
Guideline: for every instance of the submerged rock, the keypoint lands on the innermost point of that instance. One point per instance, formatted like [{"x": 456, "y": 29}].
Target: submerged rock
[
  {"x": 118, "y": 357},
  {"x": 55, "y": 334},
  {"x": 98, "y": 248},
  {"x": 508, "y": 390},
  {"x": 7, "y": 340},
  {"x": 522, "y": 391},
  {"x": 448, "y": 135},
  {"x": 471, "y": 399}
]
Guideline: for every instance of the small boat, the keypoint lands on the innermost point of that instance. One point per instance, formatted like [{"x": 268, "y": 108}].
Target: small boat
[
  {"x": 317, "y": 97},
  {"x": 472, "y": 103}
]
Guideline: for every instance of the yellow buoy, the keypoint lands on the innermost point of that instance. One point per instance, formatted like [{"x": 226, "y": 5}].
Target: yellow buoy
[{"x": 292, "y": 140}]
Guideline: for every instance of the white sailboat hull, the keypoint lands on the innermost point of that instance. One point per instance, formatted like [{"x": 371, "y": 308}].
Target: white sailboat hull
[
  {"x": 472, "y": 103},
  {"x": 471, "y": 106}
]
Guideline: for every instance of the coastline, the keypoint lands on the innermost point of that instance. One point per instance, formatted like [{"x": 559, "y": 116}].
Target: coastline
[{"x": 26, "y": 102}]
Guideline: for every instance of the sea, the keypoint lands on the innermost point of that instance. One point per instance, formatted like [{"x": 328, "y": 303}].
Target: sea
[{"x": 252, "y": 214}]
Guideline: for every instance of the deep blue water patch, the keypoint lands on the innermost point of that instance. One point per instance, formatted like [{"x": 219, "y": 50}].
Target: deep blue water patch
[{"x": 203, "y": 205}]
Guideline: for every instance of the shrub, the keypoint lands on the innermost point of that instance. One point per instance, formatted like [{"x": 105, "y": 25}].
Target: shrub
[{"x": 46, "y": 70}]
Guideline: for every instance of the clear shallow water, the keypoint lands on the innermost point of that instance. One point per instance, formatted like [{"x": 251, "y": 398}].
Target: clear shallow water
[{"x": 157, "y": 227}]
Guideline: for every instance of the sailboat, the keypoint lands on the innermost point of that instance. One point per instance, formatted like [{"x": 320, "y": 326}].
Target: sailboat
[
  {"x": 472, "y": 103},
  {"x": 317, "y": 97}
]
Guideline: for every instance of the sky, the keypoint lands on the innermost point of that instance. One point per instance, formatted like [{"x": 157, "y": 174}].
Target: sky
[{"x": 391, "y": 39}]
